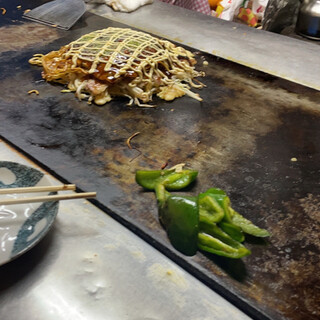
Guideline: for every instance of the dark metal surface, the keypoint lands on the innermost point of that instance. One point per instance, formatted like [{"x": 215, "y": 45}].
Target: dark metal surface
[{"x": 244, "y": 137}]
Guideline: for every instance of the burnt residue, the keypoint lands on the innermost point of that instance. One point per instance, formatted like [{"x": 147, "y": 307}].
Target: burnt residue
[
  {"x": 21, "y": 36},
  {"x": 254, "y": 135},
  {"x": 278, "y": 187}
]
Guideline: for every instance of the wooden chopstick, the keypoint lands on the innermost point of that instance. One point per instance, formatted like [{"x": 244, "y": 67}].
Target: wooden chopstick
[
  {"x": 49, "y": 198},
  {"x": 38, "y": 189}
]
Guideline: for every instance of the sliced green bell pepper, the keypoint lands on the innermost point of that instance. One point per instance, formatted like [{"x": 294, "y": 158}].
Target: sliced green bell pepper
[
  {"x": 232, "y": 230},
  {"x": 209, "y": 209},
  {"x": 233, "y": 220},
  {"x": 222, "y": 199},
  {"x": 171, "y": 179},
  {"x": 207, "y": 222},
  {"x": 213, "y": 245},
  {"x": 211, "y": 236},
  {"x": 190, "y": 223},
  {"x": 246, "y": 225},
  {"x": 180, "y": 218}
]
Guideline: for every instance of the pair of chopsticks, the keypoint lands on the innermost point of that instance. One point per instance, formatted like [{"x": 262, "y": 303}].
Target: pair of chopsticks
[{"x": 65, "y": 187}]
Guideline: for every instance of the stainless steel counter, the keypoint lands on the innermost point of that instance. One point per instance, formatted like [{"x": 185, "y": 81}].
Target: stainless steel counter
[
  {"x": 90, "y": 267},
  {"x": 279, "y": 55}
]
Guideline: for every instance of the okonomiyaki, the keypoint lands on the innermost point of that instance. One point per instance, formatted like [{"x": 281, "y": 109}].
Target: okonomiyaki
[{"x": 115, "y": 62}]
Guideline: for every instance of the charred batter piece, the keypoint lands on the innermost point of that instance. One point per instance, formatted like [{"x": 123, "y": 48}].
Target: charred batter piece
[{"x": 121, "y": 62}]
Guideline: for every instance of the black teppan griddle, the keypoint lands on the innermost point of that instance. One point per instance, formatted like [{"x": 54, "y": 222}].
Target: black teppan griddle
[{"x": 254, "y": 135}]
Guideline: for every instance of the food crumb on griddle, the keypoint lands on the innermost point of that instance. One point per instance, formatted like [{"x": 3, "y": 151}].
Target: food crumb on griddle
[{"x": 33, "y": 91}]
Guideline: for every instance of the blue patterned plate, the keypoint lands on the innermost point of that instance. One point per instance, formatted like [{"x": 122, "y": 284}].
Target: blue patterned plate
[{"x": 23, "y": 226}]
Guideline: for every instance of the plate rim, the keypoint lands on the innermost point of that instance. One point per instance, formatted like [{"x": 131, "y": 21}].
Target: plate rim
[{"x": 48, "y": 226}]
